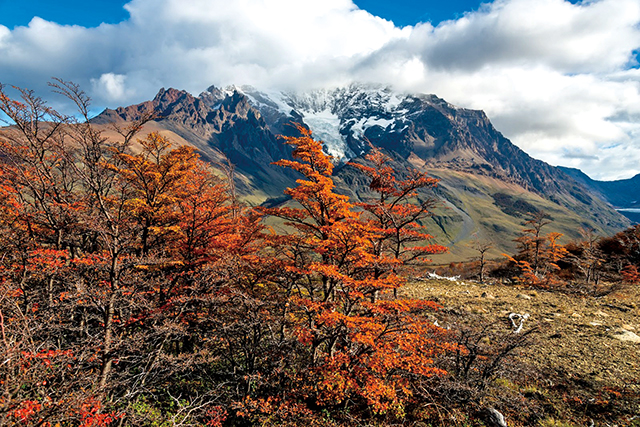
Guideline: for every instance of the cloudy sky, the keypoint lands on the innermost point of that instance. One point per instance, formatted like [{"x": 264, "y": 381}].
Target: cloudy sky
[{"x": 559, "y": 78}]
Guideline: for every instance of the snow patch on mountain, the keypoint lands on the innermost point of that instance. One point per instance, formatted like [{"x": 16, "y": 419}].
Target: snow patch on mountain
[
  {"x": 340, "y": 117},
  {"x": 359, "y": 128},
  {"x": 394, "y": 101},
  {"x": 325, "y": 126},
  {"x": 314, "y": 101},
  {"x": 315, "y": 110},
  {"x": 262, "y": 99}
]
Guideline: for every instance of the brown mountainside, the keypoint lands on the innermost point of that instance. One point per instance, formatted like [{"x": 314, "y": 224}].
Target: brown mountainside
[{"x": 487, "y": 187}]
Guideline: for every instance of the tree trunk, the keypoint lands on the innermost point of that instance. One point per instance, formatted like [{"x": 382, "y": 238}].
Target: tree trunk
[
  {"x": 107, "y": 356},
  {"x": 107, "y": 359}
]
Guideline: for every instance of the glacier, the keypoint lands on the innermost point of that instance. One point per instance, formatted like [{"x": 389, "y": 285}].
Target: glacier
[{"x": 339, "y": 117}]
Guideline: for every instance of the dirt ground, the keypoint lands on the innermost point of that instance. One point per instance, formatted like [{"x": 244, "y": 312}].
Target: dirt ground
[{"x": 586, "y": 350}]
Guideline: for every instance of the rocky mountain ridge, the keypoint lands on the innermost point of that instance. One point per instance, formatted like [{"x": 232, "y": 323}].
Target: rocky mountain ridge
[
  {"x": 346, "y": 119},
  {"x": 622, "y": 194},
  {"x": 477, "y": 165}
]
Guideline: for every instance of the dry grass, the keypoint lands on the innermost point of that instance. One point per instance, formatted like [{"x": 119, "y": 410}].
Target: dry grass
[{"x": 578, "y": 368}]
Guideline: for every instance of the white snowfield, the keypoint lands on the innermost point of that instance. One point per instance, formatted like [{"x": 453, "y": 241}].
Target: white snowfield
[{"x": 337, "y": 115}]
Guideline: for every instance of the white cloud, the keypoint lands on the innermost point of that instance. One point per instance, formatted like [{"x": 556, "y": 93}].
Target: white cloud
[
  {"x": 554, "y": 77},
  {"x": 5, "y": 35},
  {"x": 111, "y": 87},
  {"x": 595, "y": 36}
]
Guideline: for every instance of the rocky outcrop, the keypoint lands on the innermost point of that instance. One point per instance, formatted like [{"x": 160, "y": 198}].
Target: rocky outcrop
[{"x": 243, "y": 124}]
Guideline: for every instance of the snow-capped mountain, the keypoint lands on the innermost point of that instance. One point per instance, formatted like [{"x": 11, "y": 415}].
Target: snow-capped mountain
[
  {"x": 350, "y": 119},
  {"x": 487, "y": 183},
  {"x": 341, "y": 117}
]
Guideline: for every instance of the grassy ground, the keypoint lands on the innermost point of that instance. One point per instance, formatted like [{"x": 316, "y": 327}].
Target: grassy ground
[
  {"x": 473, "y": 195},
  {"x": 581, "y": 365}
]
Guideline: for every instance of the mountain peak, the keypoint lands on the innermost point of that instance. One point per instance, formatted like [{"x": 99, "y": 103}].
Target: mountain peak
[
  {"x": 170, "y": 94},
  {"x": 352, "y": 118},
  {"x": 475, "y": 162}
]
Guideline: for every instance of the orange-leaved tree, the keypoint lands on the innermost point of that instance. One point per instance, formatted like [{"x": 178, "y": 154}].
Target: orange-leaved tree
[
  {"x": 58, "y": 221},
  {"x": 396, "y": 214},
  {"x": 156, "y": 178},
  {"x": 539, "y": 253},
  {"x": 357, "y": 349},
  {"x": 98, "y": 299}
]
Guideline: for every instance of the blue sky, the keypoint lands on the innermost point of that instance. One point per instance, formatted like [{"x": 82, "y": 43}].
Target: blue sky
[
  {"x": 86, "y": 13},
  {"x": 401, "y": 12},
  {"x": 559, "y": 78},
  {"x": 410, "y": 12}
]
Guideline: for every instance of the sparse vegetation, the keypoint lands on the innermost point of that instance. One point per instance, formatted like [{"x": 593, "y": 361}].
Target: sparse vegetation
[
  {"x": 513, "y": 206},
  {"x": 136, "y": 290}
]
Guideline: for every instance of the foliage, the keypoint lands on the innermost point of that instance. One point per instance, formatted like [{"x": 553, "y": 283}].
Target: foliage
[
  {"x": 396, "y": 213},
  {"x": 135, "y": 290},
  {"x": 594, "y": 264},
  {"x": 538, "y": 256},
  {"x": 361, "y": 344}
]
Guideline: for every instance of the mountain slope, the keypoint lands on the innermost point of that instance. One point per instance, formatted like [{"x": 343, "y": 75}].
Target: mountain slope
[
  {"x": 222, "y": 126},
  {"x": 623, "y": 194},
  {"x": 487, "y": 186}
]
